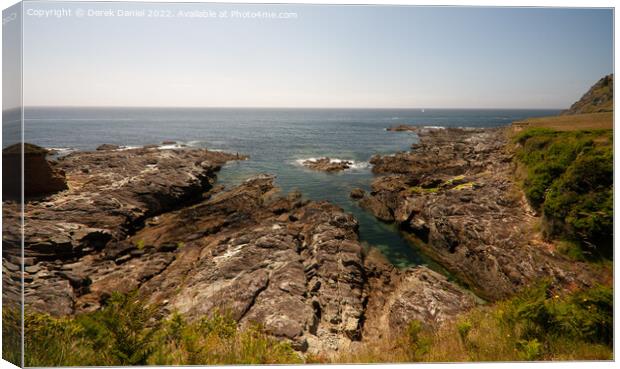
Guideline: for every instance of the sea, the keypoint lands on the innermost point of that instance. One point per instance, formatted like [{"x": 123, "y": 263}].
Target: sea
[{"x": 277, "y": 142}]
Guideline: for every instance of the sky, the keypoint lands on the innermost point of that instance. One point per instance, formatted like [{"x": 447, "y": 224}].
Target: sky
[{"x": 325, "y": 56}]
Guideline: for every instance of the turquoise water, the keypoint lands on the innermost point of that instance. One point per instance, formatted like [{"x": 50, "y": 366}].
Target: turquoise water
[{"x": 276, "y": 140}]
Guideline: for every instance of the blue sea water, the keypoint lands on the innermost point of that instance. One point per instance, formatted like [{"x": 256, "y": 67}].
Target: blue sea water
[{"x": 277, "y": 140}]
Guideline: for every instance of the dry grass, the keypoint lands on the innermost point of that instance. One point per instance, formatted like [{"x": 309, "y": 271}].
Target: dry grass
[{"x": 570, "y": 122}]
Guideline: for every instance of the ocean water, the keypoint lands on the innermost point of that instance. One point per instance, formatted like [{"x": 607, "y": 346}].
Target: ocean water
[{"x": 277, "y": 140}]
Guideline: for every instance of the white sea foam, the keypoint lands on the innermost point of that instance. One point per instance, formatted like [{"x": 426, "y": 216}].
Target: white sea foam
[
  {"x": 355, "y": 165},
  {"x": 172, "y": 146},
  {"x": 123, "y": 148},
  {"x": 360, "y": 165},
  {"x": 61, "y": 151}
]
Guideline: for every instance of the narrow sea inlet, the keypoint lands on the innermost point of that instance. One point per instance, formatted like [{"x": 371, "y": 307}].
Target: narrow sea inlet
[{"x": 276, "y": 140}]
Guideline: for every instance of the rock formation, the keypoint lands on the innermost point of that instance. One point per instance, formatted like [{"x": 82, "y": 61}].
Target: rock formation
[
  {"x": 41, "y": 177},
  {"x": 151, "y": 220},
  {"x": 453, "y": 194},
  {"x": 600, "y": 98},
  {"x": 328, "y": 165}
]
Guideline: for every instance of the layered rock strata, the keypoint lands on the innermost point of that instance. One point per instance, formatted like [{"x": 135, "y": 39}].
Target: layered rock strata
[
  {"x": 455, "y": 196},
  {"x": 151, "y": 221}
]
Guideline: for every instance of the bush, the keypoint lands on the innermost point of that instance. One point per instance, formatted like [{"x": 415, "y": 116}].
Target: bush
[
  {"x": 585, "y": 316},
  {"x": 123, "y": 329},
  {"x": 127, "y": 332},
  {"x": 217, "y": 340},
  {"x": 570, "y": 178},
  {"x": 463, "y": 327},
  {"x": 536, "y": 324}
]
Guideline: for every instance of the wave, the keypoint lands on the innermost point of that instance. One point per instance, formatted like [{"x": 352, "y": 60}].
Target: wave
[
  {"x": 61, "y": 151},
  {"x": 129, "y": 147}
]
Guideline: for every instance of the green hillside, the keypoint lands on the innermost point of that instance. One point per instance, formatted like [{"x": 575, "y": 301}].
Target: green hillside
[{"x": 600, "y": 98}]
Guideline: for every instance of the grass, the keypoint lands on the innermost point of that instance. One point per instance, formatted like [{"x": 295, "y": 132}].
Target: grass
[
  {"x": 590, "y": 121},
  {"x": 464, "y": 186},
  {"x": 419, "y": 190},
  {"x": 11, "y": 334},
  {"x": 537, "y": 324},
  {"x": 128, "y": 332},
  {"x": 569, "y": 177},
  {"x": 455, "y": 183}
]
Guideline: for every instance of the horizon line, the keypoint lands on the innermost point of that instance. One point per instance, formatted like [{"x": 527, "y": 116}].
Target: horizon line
[{"x": 278, "y": 107}]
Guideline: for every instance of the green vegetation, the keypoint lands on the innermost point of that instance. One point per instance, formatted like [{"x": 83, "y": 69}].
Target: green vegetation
[
  {"x": 140, "y": 244},
  {"x": 570, "y": 178},
  {"x": 463, "y": 186},
  {"x": 419, "y": 190},
  {"x": 456, "y": 183},
  {"x": 127, "y": 332},
  {"x": 11, "y": 334},
  {"x": 537, "y": 324},
  {"x": 600, "y": 98},
  {"x": 589, "y": 121}
]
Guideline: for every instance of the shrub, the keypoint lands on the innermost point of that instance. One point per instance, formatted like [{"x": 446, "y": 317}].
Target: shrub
[
  {"x": 570, "y": 178},
  {"x": 123, "y": 328},
  {"x": 217, "y": 340},
  {"x": 585, "y": 315},
  {"x": 127, "y": 332},
  {"x": 463, "y": 327}
]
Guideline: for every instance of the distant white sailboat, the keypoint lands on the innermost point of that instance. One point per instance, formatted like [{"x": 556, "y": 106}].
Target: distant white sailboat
[{"x": 422, "y": 110}]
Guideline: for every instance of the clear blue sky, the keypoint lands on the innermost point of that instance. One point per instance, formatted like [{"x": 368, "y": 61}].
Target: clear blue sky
[{"x": 330, "y": 56}]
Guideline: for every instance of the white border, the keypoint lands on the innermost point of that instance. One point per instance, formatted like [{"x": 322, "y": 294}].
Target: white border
[{"x": 484, "y": 3}]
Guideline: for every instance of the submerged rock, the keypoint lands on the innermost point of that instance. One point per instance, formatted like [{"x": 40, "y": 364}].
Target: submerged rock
[{"x": 357, "y": 193}]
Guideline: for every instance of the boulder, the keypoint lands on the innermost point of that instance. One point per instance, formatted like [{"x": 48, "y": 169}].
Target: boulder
[
  {"x": 357, "y": 193},
  {"x": 107, "y": 147},
  {"x": 41, "y": 177}
]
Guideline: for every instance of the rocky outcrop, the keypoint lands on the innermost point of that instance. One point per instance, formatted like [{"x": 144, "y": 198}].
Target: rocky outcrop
[
  {"x": 41, "y": 177},
  {"x": 453, "y": 194},
  {"x": 327, "y": 164},
  {"x": 110, "y": 194},
  {"x": 598, "y": 99},
  {"x": 397, "y": 297},
  {"x": 152, "y": 221},
  {"x": 357, "y": 193},
  {"x": 107, "y": 147}
]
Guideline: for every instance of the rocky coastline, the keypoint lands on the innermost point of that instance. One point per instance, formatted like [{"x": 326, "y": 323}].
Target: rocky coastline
[
  {"x": 156, "y": 222},
  {"x": 454, "y": 195}
]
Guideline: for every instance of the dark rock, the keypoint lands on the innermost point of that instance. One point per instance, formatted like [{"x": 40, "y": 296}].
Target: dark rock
[
  {"x": 41, "y": 177},
  {"x": 357, "y": 193},
  {"x": 377, "y": 208},
  {"x": 90, "y": 220},
  {"x": 450, "y": 192},
  {"x": 328, "y": 165},
  {"x": 107, "y": 147}
]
